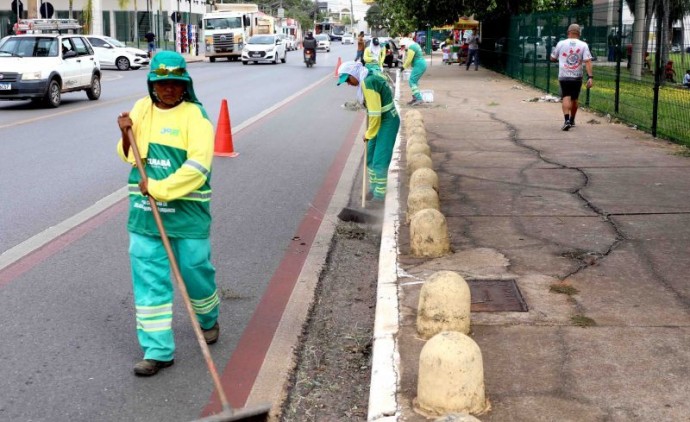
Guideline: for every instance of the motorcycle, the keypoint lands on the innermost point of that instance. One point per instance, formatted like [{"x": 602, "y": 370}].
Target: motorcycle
[{"x": 309, "y": 58}]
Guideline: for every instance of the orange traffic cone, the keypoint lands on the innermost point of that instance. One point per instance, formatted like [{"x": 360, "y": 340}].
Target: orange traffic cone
[
  {"x": 223, "y": 146},
  {"x": 337, "y": 66}
]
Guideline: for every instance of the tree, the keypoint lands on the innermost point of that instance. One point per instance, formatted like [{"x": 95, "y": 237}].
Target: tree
[
  {"x": 87, "y": 16},
  {"x": 374, "y": 17}
]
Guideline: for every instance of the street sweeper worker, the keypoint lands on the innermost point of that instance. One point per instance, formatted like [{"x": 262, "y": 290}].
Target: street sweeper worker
[
  {"x": 375, "y": 94},
  {"x": 374, "y": 55},
  {"x": 414, "y": 58},
  {"x": 176, "y": 142}
]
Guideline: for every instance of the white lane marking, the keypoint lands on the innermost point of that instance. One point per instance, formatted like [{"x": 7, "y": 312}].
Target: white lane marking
[
  {"x": 16, "y": 253},
  {"x": 26, "y": 247}
]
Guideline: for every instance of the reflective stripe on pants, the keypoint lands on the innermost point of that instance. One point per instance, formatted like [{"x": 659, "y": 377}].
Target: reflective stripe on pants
[
  {"x": 418, "y": 69},
  {"x": 380, "y": 152},
  {"x": 154, "y": 291}
]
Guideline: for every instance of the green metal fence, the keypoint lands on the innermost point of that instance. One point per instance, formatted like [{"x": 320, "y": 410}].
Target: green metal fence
[{"x": 629, "y": 88}]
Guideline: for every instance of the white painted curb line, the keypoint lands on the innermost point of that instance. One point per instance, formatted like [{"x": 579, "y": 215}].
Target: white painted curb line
[{"x": 383, "y": 404}]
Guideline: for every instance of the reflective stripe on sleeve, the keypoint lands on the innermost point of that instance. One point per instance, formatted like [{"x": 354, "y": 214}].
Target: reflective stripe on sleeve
[{"x": 197, "y": 166}]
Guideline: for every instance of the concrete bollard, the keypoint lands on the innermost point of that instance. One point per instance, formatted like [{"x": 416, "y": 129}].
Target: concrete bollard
[
  {"x": 418, "y": 148},
  {"x": 444, "y": 305},
  {"x": 424, "y": 177},
  {"x": 422, "y": 198},
  {"x": 418, "y": 161},
  {"x": 413, "y": 116},
  {"x": 451, "y": 376},
  {"x": 429, "y": 234},
  {"x": 416, "y": 138},
  {"x": 415, "y": 129}
]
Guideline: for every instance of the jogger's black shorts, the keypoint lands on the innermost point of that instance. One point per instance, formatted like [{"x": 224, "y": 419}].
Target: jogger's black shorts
[{"x": 571, "y": 89}]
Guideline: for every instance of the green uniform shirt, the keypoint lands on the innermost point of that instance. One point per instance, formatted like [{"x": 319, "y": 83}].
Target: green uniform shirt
[
  {"x": 176, "y": 146},
  {"x": 378, "y": 99},
  {"x": 413, "y": 55}
]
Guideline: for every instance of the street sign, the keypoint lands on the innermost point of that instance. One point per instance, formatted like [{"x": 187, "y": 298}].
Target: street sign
[
  {"x": 14, "y": 7},
  {"x": 281, "y": 12},
  {"x": 47, "y": 10}
]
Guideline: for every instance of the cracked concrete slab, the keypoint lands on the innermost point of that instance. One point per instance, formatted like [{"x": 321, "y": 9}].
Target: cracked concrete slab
[{"x": 600, "y": 209}]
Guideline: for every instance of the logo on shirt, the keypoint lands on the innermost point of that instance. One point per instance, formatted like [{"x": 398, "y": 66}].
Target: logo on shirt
[
  {"x": 572, "y": 58},
  {"x": 170, "y": 131},
  {"x": 155, "y": 162}
]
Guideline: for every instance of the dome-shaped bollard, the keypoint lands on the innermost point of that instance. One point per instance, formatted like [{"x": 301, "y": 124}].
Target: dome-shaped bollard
[
  {"x": 417, "y": 161},
  {"x": 418, "y": 148},
  {"x": 415, "y": 129},
  {"x": 429, "y": 234},
  {"x": 451, "y": 376},
  {"x": 444, "y": 305},
  {"x": 413, "y": 116},
  {"x": 422, "y": 198},
  {"x": 416, "y": 138},
  {"x": 424, "y": 177}
]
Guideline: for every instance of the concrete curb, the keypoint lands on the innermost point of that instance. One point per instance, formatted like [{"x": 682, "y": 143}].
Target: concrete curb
[{"x": 383, "y": 403}]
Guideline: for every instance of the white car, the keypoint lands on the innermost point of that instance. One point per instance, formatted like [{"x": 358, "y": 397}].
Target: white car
[
  {"x": 41, "y": 67},
  {"x": 113, "y": 53},
  {"x": 292, "y": 43},
  {"x": 264, "y": 48},
  {"x": 323, "y": 42},
  {"x": 348, "y": 38}
]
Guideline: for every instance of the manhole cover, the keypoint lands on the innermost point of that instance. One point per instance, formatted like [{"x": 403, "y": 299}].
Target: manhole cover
[{"x": 496, "y": 296}]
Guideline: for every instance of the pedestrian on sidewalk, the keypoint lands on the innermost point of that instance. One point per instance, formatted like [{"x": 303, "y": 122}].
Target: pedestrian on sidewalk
[
  {"x": 383, "y": 124},
  {"x": 176, "y": 140},
  {"x": 151, "y": 41},
  {"x": 571, "y": 53},
  {"x": 414, "y": 58},
  {"x": 360, "y": 46},
  {"x": 473, "y": 51}
]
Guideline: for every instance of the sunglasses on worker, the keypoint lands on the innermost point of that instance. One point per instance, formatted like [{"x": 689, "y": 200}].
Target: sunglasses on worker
[{"x": 177, "y": 71}]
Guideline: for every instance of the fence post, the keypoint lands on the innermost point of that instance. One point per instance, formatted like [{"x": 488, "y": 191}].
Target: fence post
[
  {"x": 618, "y": 55},
  {"x": 657, "y": 69}
]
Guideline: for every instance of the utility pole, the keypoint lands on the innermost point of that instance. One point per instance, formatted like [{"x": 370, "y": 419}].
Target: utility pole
[{"x": 352, "y": 18}]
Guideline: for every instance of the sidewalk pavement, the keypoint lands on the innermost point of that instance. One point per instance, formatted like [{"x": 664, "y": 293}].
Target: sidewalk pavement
[{"x": 603, "y": 209}]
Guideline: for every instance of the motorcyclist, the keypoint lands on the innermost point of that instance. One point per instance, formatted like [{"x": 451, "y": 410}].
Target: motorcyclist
[{"x": 309, "y": 43}]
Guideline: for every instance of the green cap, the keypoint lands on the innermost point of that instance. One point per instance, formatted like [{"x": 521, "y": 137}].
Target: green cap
[
  {"x": 343, "y": 78},
  {"x": 170, "y": 65}
]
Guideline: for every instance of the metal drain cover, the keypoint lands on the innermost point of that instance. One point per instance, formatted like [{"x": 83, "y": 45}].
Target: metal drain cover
[{"x": 496, "y": 296}]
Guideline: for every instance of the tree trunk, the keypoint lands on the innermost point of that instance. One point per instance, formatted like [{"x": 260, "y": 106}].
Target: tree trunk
[{"x": 638, "y": 41}]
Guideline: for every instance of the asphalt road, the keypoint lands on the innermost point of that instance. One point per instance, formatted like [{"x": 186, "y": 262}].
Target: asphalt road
[{"x": 68, "y": 342}]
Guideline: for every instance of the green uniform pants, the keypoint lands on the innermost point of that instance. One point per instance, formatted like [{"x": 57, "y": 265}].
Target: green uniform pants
[
  {"x": 154, "y": 291},
  {"x": 418, "y": 69},
  {"x": 380, "y": 152}
]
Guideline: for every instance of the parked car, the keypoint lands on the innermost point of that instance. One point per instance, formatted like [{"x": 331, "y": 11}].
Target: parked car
[
  {"x": 348, "y": 38},
  {"x": 42, "y": 67},
  {"x": 113, "y": 53},
  {"x": 675, "y": 48},
  {"x": 291, "y": 43},
  {"x": 393, "y": 54},
  {"x": 323, "y": 42},
  {"x": 264, "y": 48},
  {"x": 532, "y": 48}
]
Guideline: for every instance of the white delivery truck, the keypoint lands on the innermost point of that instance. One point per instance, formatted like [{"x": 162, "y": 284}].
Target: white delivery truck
[{"x": 229, "y": 25}]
